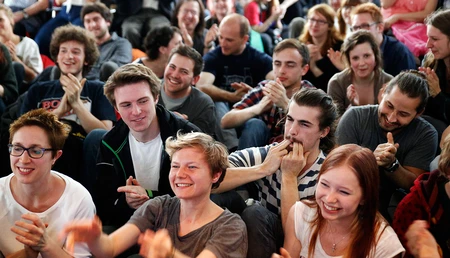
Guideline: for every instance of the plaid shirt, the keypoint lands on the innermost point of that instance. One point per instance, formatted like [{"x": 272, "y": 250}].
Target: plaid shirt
[{"x": 271, "y": 117}]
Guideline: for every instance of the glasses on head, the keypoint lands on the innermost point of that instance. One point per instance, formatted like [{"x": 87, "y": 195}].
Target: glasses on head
[
  {"x": 320, "y": 22},
  {"x": 364, "y": 26},
  {"x": 33, "y": 152}
]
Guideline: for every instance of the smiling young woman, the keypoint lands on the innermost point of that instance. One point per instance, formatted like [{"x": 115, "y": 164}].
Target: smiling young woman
[
  {"x": 360, "y": 83},
  {"x": 343, "y": 219}
]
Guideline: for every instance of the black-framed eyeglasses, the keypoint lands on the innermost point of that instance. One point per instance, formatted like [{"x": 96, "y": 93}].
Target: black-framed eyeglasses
[
  {"x": 364, "y": 26},
  {"x": 320, "y": 22},
  {"x": 33, "y": 152}
]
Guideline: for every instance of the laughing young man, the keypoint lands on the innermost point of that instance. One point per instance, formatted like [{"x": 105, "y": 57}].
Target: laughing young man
[
  {"x": 78, "y": 101},
  {"x": 132, "y": 165},
  {"x": 403, "y": 142}
]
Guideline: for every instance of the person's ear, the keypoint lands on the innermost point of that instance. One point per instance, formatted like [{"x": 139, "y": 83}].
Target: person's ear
[
  {"x": 305, "y": 69},
  {"x": 195, "y": 80},
  {"x": 325, "y": 132},
  {"x": 58, "y": 154},
  {"x": 216, "y": 177}
]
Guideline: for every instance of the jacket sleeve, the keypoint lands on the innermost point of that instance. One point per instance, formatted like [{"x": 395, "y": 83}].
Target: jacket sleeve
[{"x": 112, "y": 207}]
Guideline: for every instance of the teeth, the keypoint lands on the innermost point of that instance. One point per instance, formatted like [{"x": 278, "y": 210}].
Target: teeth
[
  {"x": 330, "y": 208},
  {"x": 183, "y": 185},
  {"x": 25, "y": 170}
]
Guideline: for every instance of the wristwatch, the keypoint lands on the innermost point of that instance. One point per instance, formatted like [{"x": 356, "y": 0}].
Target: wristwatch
[
  {"x": 393, "y": 167},
  {"x": 25, "y": 14}
]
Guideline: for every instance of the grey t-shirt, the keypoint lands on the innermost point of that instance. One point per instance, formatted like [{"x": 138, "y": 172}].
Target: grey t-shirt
[
  {"x": 417, "y": 141},
  {"x": 226, "y": 236}
]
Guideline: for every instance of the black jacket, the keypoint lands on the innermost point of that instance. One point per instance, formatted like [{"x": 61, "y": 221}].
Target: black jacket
[{"x": 115, "y": 165}]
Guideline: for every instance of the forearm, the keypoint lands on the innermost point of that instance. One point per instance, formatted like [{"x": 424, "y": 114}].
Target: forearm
[
  {"x": 37, "y": 7},
  {"x": 289, "y": 195},
  {"x": 413, "y": 17},
  {"x": 402, "y": 177},
  {"x": 237, "y": 117},
  {"x": 315, "y": 70},
  {"x": 216, "y": 93},
  {"x": 287, "y": 3},
  {"x": 261, "y": 28},
  {"x": 103, "y": 247},
  {"x": 239, "y": 176},
  {"x": 387, "y": 3},
  {"x": 88, "y": 121}
]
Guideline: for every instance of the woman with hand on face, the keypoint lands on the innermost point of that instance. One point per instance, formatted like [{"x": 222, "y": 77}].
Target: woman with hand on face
[
  {"x": 188, "y": 225},
  {"x": 36, "y": 202},
  {"x": 436, "y": 65},
  {"x": 320, "y": 34},
  {"x": 189, "y": 17},
  {"x": 360, "y": 83},
  {"x": 343, "y": 220}
]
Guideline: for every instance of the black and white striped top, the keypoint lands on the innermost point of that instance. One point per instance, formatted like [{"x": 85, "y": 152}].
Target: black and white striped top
[{"x": 270, "y": 186}]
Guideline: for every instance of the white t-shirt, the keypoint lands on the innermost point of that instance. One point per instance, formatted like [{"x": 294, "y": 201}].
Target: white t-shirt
[
  {"x": 28, "y": 51},
  {"x": 146, "y": 158},
  {"x": 388, "y": 245},
  {"x": 74, "y": 203}
]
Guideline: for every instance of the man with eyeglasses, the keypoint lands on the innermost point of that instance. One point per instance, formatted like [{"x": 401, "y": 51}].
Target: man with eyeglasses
[{"x": 396, "y": 56}]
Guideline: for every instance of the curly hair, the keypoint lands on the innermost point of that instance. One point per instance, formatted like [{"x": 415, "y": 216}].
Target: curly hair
[
  {"x": 56, "y": 131},
  {"x": 74, "y": 33},
  {"x": 215, "y": 153}
]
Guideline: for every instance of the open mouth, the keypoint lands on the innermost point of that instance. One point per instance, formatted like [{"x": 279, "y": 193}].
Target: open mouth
[
  {"x": 330, "y": 208},
  {"x": 24, "y": 171},
  {"x": 183, "y": 185}
]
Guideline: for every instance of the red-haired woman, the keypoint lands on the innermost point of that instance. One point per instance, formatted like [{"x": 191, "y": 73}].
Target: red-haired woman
[{"x": 343, "y": 220}]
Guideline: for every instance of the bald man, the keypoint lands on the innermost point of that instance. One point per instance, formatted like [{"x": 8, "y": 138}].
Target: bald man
[{"x": 232, "y": 69}]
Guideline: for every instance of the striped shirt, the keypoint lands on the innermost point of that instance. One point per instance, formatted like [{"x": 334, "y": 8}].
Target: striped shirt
[{"x": 269, "y": 187}]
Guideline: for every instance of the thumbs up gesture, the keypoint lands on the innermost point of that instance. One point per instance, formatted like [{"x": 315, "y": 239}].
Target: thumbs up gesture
[{"x": 385, "y": 152}]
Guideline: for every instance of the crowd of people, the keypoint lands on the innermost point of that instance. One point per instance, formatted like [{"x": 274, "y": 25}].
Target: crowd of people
[{"x": 225, "y": 128}]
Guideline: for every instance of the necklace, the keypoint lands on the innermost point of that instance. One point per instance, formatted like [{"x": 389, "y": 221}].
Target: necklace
[
  {"x": 333, "y": 248},
  {"x": 334, "y": 245}
]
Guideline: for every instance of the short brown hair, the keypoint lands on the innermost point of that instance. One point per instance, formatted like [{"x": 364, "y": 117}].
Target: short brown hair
[
  {"x": 216, "y": 154},
  {"x": 369, "y": 8},
  {"x": 301, "y": 48},
  {"x": 100, "y": 8},
  {"x": 56, "y": 131},
  {"x": 131, "y": 73},
  {"x": 70, "y": 32},
  {"x": 360, "y": 37},
  {"x": 191, "y": 53}
]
